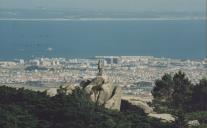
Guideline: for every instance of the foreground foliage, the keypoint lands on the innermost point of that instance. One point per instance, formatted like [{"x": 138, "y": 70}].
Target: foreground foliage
[
  {"x": 178, "y": 96},
  {"x": 21, "y": 108}
]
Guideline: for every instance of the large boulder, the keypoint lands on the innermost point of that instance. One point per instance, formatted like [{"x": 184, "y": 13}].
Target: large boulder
[
  {"x": 163, "y": 117},
  {"x": 99, "y": 90},
  {"x": 140, "y": 103},
  {"x": 115, "y": 101},
  {"x": 193, "y": 123},
  {"x": 53, "y": 91},
  {"x": 102, "y": 92},
  {"x": 144, "y": 106}
]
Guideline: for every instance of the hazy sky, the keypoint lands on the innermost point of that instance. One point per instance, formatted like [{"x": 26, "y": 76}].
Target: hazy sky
[{"x": 115, "y": 5}]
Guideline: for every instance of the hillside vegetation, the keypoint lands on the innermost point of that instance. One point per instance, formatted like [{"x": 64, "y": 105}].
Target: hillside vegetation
[
  {"x": 176, "y": 95},
  {"x": 22, "y": 108},
  {"x": 183, "y": 99}
]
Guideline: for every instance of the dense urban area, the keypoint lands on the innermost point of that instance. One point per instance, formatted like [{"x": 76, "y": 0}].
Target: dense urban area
[{"x": 135, "y": 74}]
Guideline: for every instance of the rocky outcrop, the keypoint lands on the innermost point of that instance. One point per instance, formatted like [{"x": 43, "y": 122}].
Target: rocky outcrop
[
  {"x": 140, "y": 103},
  {"x": 53, "y": 91},
  {"x": 163, "y": 117},
  {"x": 102, "y": 92},
  {"x": 143, "y": 106},
  {"x": 193, "y": 123},
  {"x": 99, "y": 90},
  {"x": 115, "y": 101}
]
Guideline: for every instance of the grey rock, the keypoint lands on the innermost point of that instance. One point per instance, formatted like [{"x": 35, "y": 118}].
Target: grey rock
[
  {"x": 98, "y": 81},
  {"x": 69, "y": 89},
  {"x": 142, "y": 105},
  {"x": 115, "y": 101},
  {"x": 103, "y": 93},
  {"x": 53, "y": 91},
  {"x": 193, "y": 123},
  {"x": 139, "y": 102},
  {"x": 164, "y": 117}
]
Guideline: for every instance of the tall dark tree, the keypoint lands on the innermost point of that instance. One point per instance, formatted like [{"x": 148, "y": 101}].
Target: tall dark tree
[
  {"x": 173, "y": 92},
  {"x": 163, "y": 88},
  {"x": 199, "y": 97},
  {"x": 182, "y": 91}
]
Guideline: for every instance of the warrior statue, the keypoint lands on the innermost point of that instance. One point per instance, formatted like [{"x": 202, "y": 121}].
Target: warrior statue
[{"x": 100, "y": 69}]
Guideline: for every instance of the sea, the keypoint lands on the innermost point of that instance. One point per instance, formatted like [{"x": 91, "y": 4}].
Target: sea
[{"x": 23, "y": 39}]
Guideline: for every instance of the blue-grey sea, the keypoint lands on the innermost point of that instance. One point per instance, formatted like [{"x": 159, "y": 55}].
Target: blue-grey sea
[{"x": 184, "y": 39}]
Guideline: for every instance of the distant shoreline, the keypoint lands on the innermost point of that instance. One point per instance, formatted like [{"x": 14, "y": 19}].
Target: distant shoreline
[
  {"x": 103, "y": 19},
  {"x": 97, "y": 57}
]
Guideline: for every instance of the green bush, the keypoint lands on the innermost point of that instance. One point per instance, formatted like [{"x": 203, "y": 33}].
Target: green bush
[
  {"x": 201, "y": 126},
  {"x": 21, "y": 108},
  {"x": 200, "y": 116}
]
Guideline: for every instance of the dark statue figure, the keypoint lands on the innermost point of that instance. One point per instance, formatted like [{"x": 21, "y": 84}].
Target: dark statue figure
[{"x": 100, "y": 69}]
